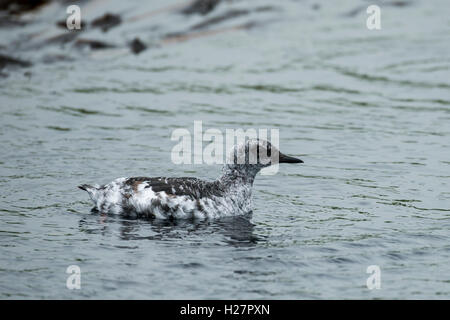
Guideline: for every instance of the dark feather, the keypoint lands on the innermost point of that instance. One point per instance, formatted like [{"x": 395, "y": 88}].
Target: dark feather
[
  {"x": 185, "y": 186},
  {"x": 85, "y": 187}
]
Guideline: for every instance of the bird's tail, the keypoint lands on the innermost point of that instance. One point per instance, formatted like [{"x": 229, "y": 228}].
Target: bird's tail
[
  {"x": 90, "y": 189},
  {"x": 86, "y": 187}
]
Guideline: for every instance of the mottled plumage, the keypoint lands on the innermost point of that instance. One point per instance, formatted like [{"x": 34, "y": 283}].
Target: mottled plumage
[{"x": 183, "y": 198}]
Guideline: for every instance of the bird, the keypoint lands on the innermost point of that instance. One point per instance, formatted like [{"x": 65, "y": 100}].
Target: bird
[{"x": 188, "y": 197}]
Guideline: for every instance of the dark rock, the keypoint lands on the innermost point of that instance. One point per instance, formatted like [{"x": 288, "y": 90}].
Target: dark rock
[
  {"x": 137, "y": 46},
  {"x": 6, "y": 61},
  {"x": 93, "y": 44},
  {"x": 107, "y": 21},
  {"x": 201, "y": 7},
  {"x": 20, "y": 6}
]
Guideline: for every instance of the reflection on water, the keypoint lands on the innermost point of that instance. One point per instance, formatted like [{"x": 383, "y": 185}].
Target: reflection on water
[{"x": 235, "y": 231}]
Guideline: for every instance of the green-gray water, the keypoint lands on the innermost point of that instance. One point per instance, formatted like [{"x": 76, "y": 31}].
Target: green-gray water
[{"x": 368, "y": 112}]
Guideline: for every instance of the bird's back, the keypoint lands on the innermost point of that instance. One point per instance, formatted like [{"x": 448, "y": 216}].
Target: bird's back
[{"x": 160, "y": 197}]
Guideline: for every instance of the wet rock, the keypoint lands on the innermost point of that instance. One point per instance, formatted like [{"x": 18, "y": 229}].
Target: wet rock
[
  {"x": 20, "y": 6},
  {"x": 137, "y": 46},
  {"x": 201, "y": 7},
  {"x": 93, "y": 44},
  {"x": 106, "y": 22},
  {"x": 6, "y": 61}
]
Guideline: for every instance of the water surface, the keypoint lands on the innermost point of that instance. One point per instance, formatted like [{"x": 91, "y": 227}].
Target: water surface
[{"x": 368, "y": 112}]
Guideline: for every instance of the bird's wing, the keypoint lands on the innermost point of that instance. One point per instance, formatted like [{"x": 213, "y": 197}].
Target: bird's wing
[{"x": 185, "y": 186}]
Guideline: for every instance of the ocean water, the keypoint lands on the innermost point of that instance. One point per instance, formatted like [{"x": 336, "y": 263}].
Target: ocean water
[{"x": 367, "y": 110}]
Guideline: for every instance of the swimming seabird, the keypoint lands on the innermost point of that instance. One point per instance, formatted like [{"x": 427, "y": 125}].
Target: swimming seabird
[{"x": 183, "y": 198}]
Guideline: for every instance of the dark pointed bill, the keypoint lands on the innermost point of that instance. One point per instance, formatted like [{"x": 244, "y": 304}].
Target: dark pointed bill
[{"x": 287, "y": 159}]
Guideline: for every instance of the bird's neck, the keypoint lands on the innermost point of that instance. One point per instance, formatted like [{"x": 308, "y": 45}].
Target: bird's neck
[
  {"x": 237, "y": 182},
  {"x": 238, "y": 175}
]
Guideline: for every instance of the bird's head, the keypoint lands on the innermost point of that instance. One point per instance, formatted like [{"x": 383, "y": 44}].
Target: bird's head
[{"x": 249, "y": 158}]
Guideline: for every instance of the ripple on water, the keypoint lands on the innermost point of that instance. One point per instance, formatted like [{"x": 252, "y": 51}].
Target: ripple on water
[{"x": 366, "y": 111}]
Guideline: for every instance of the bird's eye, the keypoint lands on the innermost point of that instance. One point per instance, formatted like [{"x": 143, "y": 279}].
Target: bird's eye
[{"x": 269, "y": 150}]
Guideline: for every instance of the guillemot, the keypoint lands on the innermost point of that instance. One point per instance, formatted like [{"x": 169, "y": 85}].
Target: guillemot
[{"x": 184, "y": 198}]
